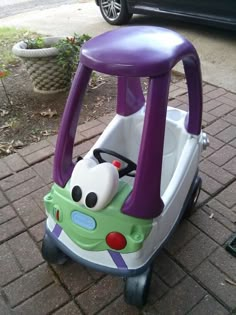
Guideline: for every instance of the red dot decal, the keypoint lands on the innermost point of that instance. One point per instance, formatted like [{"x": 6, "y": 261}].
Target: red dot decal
[
  {"x": 116, "y": 240},
  {"x": 58, "y": 215}
]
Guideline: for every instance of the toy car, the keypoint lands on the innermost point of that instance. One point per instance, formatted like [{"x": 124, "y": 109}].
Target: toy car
[{"x": 116, "y": 207}]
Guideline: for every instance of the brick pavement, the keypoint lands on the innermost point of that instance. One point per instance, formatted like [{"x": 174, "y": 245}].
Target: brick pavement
[{"x": 193, "y": 274}]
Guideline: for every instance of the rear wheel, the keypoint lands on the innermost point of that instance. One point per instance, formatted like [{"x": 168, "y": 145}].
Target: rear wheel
[
  {"x": 115, "y": 12},
  {"x": 190, "y": 209},
  {"x": 137, "y": 288}
]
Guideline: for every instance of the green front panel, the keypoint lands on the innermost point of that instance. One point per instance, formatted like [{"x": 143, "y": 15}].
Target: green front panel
[{"x": 110, "y": 219}]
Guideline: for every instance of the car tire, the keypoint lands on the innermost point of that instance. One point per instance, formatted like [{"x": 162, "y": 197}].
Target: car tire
[
  {"x": 51, "y": 253},
  {"x": 190, "y": 209},
  {"x": 137, "y": 288},
  {"x": 115, "y": 12}
]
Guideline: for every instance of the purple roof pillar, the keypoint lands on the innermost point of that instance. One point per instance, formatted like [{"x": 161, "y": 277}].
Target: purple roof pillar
[
  {"x": 63, "y": 164},
  {"x": 194, "y": 81},
  {"x": 130, "y": 96},
  {"x": 145, "y": 200}
]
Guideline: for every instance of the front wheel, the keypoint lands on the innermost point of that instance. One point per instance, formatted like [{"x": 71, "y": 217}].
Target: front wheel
[
  {"x": 137, "y": 288},
  {"x": 51, "y": 253},
  {"x": 115, "y": 12}
]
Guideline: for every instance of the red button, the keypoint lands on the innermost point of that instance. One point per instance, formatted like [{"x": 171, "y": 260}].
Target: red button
[
  {"x": 116, "y": 240},
  {"x": 117, "y": 164}
]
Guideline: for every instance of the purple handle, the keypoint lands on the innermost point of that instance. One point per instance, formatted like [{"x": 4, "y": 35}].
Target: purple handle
[
  {"x": 194, "y": 82},
  {"x": 63, "y": 165},
  {"x": 130, "y": 96},
  {"x": 145, "y": 200}
]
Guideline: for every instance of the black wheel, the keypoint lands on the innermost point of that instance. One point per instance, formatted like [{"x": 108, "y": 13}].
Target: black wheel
[
  {"x": 190, "y": 209},
  {"x": 51, "y": 253},
  {"x": 115, "y": 12},
  {"x": 137, "y": 288}
]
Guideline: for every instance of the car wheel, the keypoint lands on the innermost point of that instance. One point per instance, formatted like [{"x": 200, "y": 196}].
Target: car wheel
[
  {"x": 137, "y": 288},
  {"x": 51, "y": 253},
  {"x": 190, "y": 209},
  {"x": 115, "y": 12}
]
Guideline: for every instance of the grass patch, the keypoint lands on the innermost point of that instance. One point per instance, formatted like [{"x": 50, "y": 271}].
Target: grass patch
[{"x": 8, "y": 37}]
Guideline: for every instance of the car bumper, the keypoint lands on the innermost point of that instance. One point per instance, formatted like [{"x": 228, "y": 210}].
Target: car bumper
[{"x": 107, "y": 261}]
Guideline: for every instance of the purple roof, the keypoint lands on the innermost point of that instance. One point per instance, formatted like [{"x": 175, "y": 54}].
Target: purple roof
[{"x": 142, "y": 51}]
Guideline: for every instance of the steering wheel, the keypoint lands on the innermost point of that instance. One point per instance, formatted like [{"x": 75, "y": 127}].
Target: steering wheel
[{"x": 126, "y": 171}]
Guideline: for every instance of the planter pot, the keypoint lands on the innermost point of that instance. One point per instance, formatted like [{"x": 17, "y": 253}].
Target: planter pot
[{"x": 45, "y": 73}]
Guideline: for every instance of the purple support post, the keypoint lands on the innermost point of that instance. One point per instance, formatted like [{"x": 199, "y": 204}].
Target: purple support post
[
  {"x": 130, "y": 96},
  {"x": 145, "y": 200},
  {"x": 63, "y": 165},
  {"x": 193, "y": 75}
]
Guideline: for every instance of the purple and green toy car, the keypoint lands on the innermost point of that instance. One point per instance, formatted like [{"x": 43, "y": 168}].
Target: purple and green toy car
[{"x": 114, "y": 209}]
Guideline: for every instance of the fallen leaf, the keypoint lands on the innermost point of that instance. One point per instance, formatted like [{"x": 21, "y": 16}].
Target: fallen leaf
[
  {"x": 35, "y": 138},
  {"x": 97, "y": 86},
  {"x": 5, "y": 126},
  {"x": 50, "y": 113},
  {"x": 3, "y": 112},
  {"x": 230, "y": 281},
  {"x": 7, "y": 147},
  {"x": 96, "y": 81},
  {"x": 47, "y": 132},
  {"x": 18, "y": 144},
  {"x": 3, "y": 74}
]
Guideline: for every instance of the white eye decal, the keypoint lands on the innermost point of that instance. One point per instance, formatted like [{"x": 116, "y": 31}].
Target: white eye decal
[{"x": 94, "y": 185}]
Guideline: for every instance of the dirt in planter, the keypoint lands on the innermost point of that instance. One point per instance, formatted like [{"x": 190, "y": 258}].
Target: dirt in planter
[{"x": 26, "y": 116}]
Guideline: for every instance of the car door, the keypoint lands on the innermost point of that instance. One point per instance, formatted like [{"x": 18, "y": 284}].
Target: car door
[{"x": 219, "y": 9}]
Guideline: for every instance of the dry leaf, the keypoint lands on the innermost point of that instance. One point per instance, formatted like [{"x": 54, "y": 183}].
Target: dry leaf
[
  {"x": 3, "y": 112},
  {"x": 96, "y": 82},
  {"x": 97, "y": 86},
  {"x": 18, "y": 144},
  {"x": 36, "y": 138},
  {"x": 7, "y": 147},
  {"x": 230, "y": 281},
  {"x": 5, "y": 126},
  {"x": 47, "y": 132},
  {"x": 50, "y": 113}
]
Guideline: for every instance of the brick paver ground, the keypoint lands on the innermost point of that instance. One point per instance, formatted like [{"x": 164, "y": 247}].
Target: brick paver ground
[{"x": 193, "y": 274}]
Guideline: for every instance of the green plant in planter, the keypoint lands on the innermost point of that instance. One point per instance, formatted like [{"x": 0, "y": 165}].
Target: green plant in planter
[
  {"x": 50, "y": 61},
  {"x": 68, "y": 52},
  {"x": 35, "y": 43}
]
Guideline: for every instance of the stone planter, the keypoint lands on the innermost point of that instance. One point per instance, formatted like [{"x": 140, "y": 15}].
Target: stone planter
[{"x": 45, "y": 73}]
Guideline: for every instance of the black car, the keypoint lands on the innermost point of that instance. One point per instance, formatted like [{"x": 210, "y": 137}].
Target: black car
[{"x": 217, "y": 12}]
